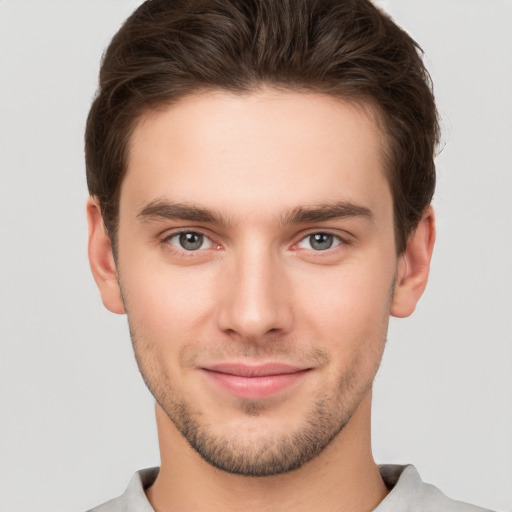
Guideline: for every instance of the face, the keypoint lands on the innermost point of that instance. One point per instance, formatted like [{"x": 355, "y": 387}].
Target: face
[{"x": 256, "y": 260}]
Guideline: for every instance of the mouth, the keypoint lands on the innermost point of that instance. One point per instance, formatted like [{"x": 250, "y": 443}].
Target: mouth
[{"x": 254, "y": 382}]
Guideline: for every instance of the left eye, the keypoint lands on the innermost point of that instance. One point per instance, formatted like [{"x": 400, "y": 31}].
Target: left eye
[
  {"x": 190, "y": 241},
  {"x": 319, "y": 241}
]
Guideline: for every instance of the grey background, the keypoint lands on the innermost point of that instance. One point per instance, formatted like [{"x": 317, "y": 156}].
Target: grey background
[{"x": 76, "y": 420}]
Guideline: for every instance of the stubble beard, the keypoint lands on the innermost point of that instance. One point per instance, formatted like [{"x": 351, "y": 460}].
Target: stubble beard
[{"x": 266, "y": 456}]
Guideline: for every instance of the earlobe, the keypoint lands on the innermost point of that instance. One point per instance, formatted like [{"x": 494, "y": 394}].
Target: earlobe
[
  {"x": 414, "y": 266},
  {"x": 101, "y": 259}
]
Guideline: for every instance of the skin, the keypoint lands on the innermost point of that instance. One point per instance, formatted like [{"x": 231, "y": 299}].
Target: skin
[{"x": 256, "y": 176}]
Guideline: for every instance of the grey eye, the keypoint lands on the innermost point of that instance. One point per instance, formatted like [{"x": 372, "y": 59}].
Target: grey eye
[
  {"x": 321, "y": 241},
  {"x": 189, "y": 241}
]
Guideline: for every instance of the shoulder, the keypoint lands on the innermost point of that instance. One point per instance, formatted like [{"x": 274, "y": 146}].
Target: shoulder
[
  {"x": 114, "y": 505},
  {"x": 409, "y": 492},
  {"x": 134, "y": 498}
]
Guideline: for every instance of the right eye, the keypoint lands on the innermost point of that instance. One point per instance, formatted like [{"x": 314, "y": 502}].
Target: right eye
[{"x": 189, "y": 241}]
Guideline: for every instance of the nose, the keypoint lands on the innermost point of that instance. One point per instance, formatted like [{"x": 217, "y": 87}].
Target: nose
[{"x": 255, "y": 297}]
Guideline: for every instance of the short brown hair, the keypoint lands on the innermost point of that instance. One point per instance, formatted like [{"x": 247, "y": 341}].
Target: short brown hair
[{"x": 349, "y": 49}]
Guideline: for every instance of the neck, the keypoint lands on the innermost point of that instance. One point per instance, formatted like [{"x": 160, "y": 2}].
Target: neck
[{"x": 344, "y": 477}]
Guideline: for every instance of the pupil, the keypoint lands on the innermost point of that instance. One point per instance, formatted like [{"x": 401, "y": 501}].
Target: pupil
[
  {"x": 191, "y": 241},
  {"x": 321, "y": 241}
]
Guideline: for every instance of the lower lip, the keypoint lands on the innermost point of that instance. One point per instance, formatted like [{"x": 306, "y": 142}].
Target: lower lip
[{"x": 255, "y": 388}]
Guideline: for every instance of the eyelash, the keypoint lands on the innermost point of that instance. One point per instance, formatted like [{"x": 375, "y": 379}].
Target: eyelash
[
  {"x": 181, "y": 251},
  {"x": 337, "y": 240}
]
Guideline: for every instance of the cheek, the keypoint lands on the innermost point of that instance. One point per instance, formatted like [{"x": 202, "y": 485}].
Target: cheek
[
  {"x": 351, "y": 296},
  {"x": 164, "y": 301},
  {"x": 349, "y": 316}
]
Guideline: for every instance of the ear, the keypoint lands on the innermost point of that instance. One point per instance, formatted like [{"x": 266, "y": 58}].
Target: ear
[
  {"x": 414, "y": 266},
  {"x": 101, "y": 259}
]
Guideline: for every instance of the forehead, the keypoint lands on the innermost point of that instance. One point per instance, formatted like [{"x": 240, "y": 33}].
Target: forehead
[{"x": 261, "y": 151}]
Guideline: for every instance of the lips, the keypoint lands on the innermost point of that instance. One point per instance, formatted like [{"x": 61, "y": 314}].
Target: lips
[{"x": 254, "y": 381}]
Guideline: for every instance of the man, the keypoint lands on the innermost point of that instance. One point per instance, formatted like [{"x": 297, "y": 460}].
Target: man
[{"x": 261, "y": 175}]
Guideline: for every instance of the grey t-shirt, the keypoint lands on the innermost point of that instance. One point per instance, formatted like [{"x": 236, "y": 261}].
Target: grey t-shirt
[{"x": 408, "y": 494}]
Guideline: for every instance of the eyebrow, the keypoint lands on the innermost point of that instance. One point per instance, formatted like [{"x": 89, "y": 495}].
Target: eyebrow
[
  {"x": 162, "y": 209},
  {"x": 339, "y": 210}
]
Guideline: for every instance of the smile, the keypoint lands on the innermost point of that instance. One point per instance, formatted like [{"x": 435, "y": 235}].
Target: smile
[{"x": 254, "y": 382}]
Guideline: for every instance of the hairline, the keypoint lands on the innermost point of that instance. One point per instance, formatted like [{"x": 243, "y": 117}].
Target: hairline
[{"x": 366, "y": 103}]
